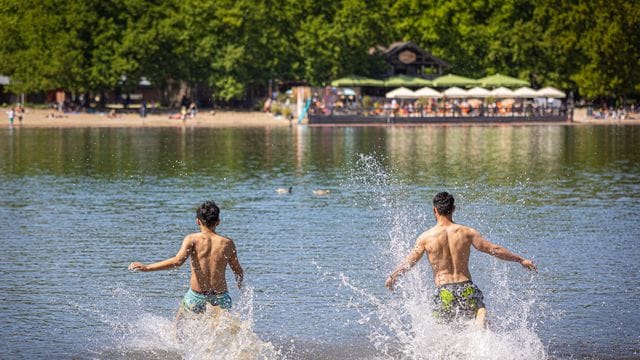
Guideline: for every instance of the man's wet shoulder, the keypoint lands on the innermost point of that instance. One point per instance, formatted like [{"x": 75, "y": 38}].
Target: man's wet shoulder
[
  {"x": 463, "y": 230},
  {"x": 432, "y": 233}
]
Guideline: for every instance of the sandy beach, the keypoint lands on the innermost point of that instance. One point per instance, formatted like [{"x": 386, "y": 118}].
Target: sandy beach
[{"x": 39, "y": 118}]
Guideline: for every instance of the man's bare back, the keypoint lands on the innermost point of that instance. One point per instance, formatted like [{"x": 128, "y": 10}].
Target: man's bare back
[
  {"x": 448, "y": 246},
  {"x": 210, "y": 254},
  {"x": 448, "y": 249}
]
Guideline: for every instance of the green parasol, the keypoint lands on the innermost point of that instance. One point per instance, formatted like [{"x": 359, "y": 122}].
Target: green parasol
[
  {"x": 498, "y": 80},
  {"x": 454, "y": 80},
  {"x": 407, "y": 81},
  {"x": 356, "y": 80}
]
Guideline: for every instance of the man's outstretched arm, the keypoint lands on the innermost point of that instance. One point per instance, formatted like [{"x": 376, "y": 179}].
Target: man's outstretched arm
[
  {"x": 406, "y": 265},
  {"x": 500, "y": 252},
  {"x": 170, "y": 263}
]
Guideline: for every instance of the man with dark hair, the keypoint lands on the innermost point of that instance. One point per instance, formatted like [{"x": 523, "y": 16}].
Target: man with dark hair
[
  {"x": 210, "y": 254},
  {"x": 448, "y": 246}
]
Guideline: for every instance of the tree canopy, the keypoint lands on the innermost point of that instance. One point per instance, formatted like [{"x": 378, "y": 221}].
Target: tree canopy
[{"x": 236, "y": 46}]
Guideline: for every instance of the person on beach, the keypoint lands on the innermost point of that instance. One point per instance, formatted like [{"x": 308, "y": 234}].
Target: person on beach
[
  {"x": 193, "y": 110},
  {"x": 113, "y": 114},
  {"x": 210, "y": 254},
  {"x": 448, "y": 246},
  {"x": 143, "y": 109},
  {"x": 20, "y": 112},
  {"x": 12, "y": 115},
  {"x": 183, "y": 114}
]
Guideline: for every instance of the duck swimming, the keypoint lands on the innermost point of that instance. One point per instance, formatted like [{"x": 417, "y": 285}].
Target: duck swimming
[{"x": 284, "y": 191}]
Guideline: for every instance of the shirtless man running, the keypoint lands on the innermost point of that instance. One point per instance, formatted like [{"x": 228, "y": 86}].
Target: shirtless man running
[
  {"x": 210, "y": 253},
  {"x": 448, "y": 246}
]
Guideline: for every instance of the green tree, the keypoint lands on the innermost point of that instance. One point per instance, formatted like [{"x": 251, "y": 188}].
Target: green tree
[
  {"x": 236, "y": 46},
  {"x": 43, "y": 44},
  {"x": 334, "y": 39},
  {"x": 455, "y": 30},
  {"x": 609, "y": 42}
]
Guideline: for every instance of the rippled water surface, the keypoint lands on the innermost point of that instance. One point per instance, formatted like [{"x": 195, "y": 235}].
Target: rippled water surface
[{"x": 77, "y": 205}]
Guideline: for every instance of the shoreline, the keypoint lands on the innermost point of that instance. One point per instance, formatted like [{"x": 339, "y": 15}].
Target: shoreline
[
  {"x": 37, "y": 118},
  {"x": 40, "y": 118}
]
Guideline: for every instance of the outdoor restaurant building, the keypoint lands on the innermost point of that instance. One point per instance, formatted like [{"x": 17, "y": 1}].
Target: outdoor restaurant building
[{"x": 414, "y": 89}]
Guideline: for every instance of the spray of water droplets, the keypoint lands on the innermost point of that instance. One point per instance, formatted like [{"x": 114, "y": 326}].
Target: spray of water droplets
[
  {"x": 217, "y": 334},
  {"x": 401, "y": 324}
]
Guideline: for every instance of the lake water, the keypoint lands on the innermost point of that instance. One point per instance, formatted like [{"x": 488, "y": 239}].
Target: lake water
[{"x": 78, "y": 205}]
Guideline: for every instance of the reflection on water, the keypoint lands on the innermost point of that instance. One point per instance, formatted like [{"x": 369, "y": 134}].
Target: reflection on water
[
  {"x": 77, "y": 205},
  {"x": 458, "y": 152}
]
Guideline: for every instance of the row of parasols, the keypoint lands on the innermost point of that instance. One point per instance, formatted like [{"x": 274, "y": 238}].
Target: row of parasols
[
  {"x": 499, "y": 83},
  {"x": 475, "y": 92}
]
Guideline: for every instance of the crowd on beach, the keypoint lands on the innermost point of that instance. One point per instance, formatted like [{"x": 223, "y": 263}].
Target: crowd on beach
[
  {"x": 187, "y": 109},
  {"x": 341, "y": 104},
  {"x": 436, "y": 107},
  {"x": 612, "y": 113},
  {"x": 371, "y": 106},
  {"x": 61, "y": 109}
]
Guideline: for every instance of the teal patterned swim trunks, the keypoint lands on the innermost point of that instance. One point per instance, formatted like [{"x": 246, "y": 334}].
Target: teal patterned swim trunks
[{"x": 197, "y": 302}]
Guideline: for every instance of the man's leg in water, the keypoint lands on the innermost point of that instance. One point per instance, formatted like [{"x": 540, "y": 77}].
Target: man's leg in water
[
  {"x": 181, "y": 314},
  {"x": 480, "y": 315},
  {"x": 218, "y": 315}
]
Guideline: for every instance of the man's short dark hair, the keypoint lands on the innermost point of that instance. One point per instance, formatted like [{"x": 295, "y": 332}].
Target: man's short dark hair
[
  {"x": 443, "y": 202},
  {"x": 208, "y": 213}
]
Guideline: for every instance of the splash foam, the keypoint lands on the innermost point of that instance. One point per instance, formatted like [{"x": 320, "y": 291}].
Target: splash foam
[{"x": 401, "y": 325}]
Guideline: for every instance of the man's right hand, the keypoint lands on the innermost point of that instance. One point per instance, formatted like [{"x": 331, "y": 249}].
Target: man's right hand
[
  {"x": 529, "y": 265},
  {"x": 136, "y": 266}
]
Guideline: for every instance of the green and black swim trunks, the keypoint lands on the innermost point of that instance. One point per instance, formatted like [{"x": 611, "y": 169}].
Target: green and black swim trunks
[{"x": 457, "y": 300}]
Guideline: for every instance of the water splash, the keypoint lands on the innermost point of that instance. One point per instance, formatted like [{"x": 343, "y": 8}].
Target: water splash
[
  {"x": 216, "y": 334},
  {"x": 401, "y": 324}
]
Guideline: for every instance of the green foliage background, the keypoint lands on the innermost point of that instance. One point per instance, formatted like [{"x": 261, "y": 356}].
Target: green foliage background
[{"x": 236, "y": 46}]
